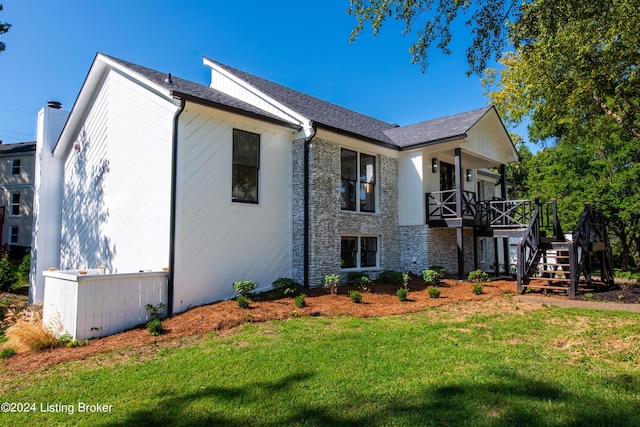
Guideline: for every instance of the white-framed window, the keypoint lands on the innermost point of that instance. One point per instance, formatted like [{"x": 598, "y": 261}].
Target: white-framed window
[
  {"x": 15, "y": 230},
  {"x": 358, "y": 181},
  {"x": 359, "y": 252},
  {"x": 16, "y": 167},
  {"x": 15, "y": 204},
  {"x": 246, "y": 167}
]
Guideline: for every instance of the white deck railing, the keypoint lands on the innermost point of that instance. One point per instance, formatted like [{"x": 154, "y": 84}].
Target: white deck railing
[{"x": 93, "y": 304}]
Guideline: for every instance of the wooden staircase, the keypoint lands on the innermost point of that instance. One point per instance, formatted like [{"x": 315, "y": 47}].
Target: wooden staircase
[{"x": 557, "y": 264}]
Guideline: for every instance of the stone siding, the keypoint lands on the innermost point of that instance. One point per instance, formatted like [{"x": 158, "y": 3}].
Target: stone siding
[
  {"x": 413, "y": 248},
  {"x": 442, "y": 249},
  {"x": 328, "y": 222}
]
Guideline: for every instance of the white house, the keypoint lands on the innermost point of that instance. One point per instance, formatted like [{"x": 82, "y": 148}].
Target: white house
[{"x": 247, "y": 179}]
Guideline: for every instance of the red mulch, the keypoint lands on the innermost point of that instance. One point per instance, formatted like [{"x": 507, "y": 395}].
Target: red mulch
[{"x": 224, "y": 315}]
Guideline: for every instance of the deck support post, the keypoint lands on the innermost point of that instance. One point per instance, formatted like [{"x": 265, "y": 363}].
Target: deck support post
[{"x": 459, "y": 230}]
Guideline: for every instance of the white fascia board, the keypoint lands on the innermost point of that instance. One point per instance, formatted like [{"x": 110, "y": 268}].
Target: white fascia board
[
  {"x": 287, "y": 113},
  {"x": 97, "y": 73}
]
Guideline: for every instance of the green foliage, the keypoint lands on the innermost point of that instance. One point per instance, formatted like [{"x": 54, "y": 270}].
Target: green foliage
[
  {"x": 363, "y": 283},
  {"x": 433, "y": 292},
  {"x": 7, "y": 352},
  {"x": 478, "y": 276},
  {"x": 477, "y": 289},
  {"x": 7, "y": 273},
  {"x": 154, "y": 327},
  {"x": 331, "y": 283},
  {"x": 402, "y": 293},
  {"x": 355, "y": 296},
  {"x": 352, "y": 276},
  {"x": 440, "y": 269},
  {"x": 430, "y": 277},
  {"x": 22, "y": 272},
  {"x": 284, "y": 283},
  {"x": 299, "y": 301},
  {"x": 390, "y": 276},
  {"x": 4, "y": 27},
  {"x": 244, "y": 287},
  {"x": 486, "y": 18},
  {"x": 405, "y": 279},
  {"x": 242, "y": 301}
]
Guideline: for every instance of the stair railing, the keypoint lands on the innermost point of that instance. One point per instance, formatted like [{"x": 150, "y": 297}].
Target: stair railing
[
  {"x": 591, "y": 231},
  {"x": 527, "y": 248}
]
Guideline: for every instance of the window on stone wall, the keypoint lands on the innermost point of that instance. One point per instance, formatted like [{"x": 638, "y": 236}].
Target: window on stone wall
[
  {"x": 358, "y": 252},
  {"x": 246, "y": 166},
  {"x": 358, "y": 181}
]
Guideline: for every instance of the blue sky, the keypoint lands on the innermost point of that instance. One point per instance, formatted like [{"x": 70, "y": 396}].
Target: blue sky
[{"x": 299, "y": 44}]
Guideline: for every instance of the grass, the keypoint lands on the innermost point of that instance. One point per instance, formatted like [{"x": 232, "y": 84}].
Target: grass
[{"x": 440, "y": 367}]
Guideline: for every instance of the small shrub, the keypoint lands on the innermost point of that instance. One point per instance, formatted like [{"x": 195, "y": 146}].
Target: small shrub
[
  {"x": 331, "y": 282},
  {"x": 284, "y": 283},
  {"x": 6, "y": 353},
  {"x": 7, "y": 273},
  {"x": 75, "y": 343},
  {"x": 244, "y": 287},
  {"x": 154, "y": 326},
  {"x": 477, "y": 289},
  {"x": 405, "y": 279},
  {"x": 363, "y": 283},
  {"x": 352, "y": 276},
  {"x": 479, "y": 276},
  {"x": 438, "y": 269},
  {"x": 242, "y": 301},
  {"x": 402, "y": 293},
  {"x": 299, "y": 301},
  {"x": 355, "y": 296},
  {"x": 434, "y": 292},
  {"x": 294, "y": 313},
  {"x": 390, "y": 276},
  {"x": 430, "y": 277},
  {"x": 22, "y": 272}
]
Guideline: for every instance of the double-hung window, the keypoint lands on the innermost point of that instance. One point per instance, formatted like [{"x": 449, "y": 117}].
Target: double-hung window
[
  {"x": 15, "y": 204},
  {"x": 14, "y": 234},
  {"x": 246, "y": 166},
  {"x": 358, "y": 252},
  {"x": 358, "y": 181},
  {"x": 16, "y": 167}
]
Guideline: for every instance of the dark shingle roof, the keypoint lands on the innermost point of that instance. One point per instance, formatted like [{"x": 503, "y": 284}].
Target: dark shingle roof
[
  {"x": 181, "y": 87},
  {"x": 436, "y": 130},
  {"x": 321, "y": 112},
  {"x": 19, "y": 148}
]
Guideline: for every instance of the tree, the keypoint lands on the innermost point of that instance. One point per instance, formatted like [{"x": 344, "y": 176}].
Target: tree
[
  {"x": 4, "y": 27},
  {"x": 570, "y": 66},
  {"x": 596, "y": 164},
  {"x": 487, "y": 19},
  {"x": 571, "y": 59}
]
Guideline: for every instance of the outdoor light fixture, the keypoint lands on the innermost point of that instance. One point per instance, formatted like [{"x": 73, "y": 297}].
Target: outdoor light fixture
[
  {"x": 434, "y": 165},
  {"x": 469, "y": 175}
]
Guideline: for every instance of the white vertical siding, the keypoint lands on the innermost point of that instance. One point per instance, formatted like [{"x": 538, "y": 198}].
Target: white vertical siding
[
  {"x": 217, "y": 241},
  {"x": 94, "y": 305},
  {"x": 117, "y": 186},
  {"x": 411, "y": 189}
]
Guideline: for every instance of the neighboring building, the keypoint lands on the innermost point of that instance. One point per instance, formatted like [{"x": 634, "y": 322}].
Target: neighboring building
[
  {"x": 247, "y": 179},
  {"x": 16, "y": 181}
]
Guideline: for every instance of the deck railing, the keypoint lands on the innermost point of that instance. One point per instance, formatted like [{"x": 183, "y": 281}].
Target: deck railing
[{"x": 443, "y": 205}]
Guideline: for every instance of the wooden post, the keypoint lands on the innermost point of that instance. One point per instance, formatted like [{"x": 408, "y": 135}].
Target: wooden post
[
  {"x": 503, "y": 182},
  {"x": 573, "y": 270},
  {"x": 459, "y": 229},
  {"x": 496, "y": 258}
]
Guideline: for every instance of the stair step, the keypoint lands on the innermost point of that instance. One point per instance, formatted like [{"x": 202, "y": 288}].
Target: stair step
[
  {"x": 556, "y": 288},
  {"x": 552, "y": 279},
  {"x": 554, "y": 264}
]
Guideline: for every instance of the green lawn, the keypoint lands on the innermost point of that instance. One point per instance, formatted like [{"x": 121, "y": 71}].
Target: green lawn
[{"x": 445, "y": 366}]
